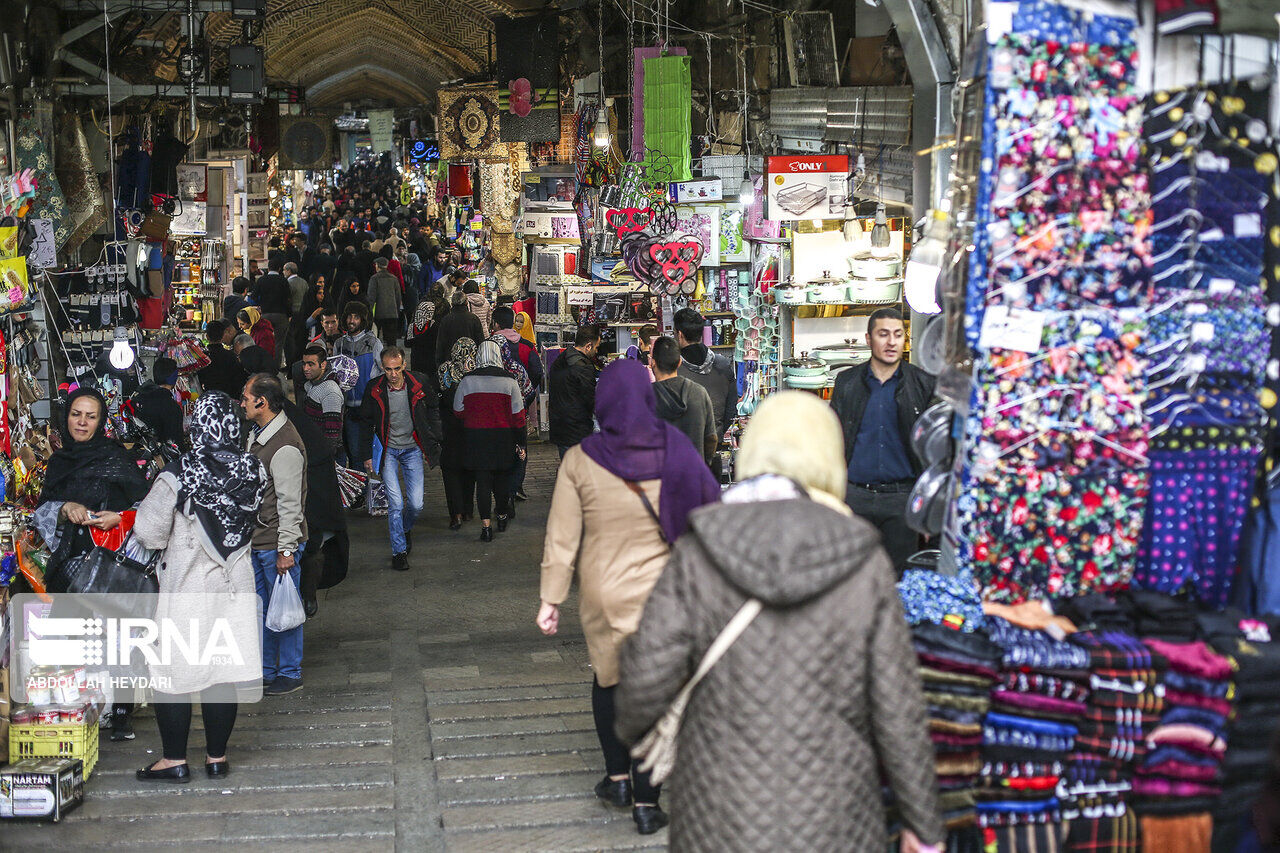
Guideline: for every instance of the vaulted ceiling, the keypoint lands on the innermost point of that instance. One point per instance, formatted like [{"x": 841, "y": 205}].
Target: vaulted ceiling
[{"x": 349, "y": 50}]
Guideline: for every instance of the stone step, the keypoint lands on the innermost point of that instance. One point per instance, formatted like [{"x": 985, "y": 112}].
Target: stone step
[
  {"x": 510, "y": 708},
  {"x": 510, "y": 789},
  {"x": 511, "y": 765},
  {"x": 253, "y": 760},
  {"x": 191, "y": 801},
  {"x": 573, "y": 838},
  {"x": 507, "y": 694},
  {"x": 512, "y": 815},
  {"x": 286, "y": 779},
  {"x": 514, "y": 726},
  {"x": 516, "y": 745}
]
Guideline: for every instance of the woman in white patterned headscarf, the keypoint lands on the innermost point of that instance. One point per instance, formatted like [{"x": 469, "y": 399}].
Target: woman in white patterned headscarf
[{"x": 201, "y": 513}]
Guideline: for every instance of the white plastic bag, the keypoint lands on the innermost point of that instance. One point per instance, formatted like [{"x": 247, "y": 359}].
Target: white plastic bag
[{"x": 284, "y": 611}]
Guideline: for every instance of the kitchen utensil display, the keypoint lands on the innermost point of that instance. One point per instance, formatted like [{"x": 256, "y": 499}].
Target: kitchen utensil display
[
  {"x": 791, "y": 294},
  {"x": 930, "y": 346},
  {"x": 799, "y": 199},
  {"x": 927, "y": 504},
  {"x": 864, "y": 265},
  {"x": 804, "y": 366},
  {"x": 939, "y": 413},
  {"x": 828, "y": 291},
  {"x": 878, "y": 290}
]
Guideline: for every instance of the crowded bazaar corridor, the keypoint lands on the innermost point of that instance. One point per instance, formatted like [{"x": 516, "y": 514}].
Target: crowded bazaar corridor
[{"x": 435, "y": 717}]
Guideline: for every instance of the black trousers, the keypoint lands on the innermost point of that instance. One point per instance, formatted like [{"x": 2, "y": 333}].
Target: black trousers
[
  {"x": 388, "y": 331},
  {"x": 888, "y": 512},
  {"x": 495, "y": 485},
  {"x": 459, "y": 489},
  {"x": 174, "y": 719},
  {"x": 617, "y": 758}
]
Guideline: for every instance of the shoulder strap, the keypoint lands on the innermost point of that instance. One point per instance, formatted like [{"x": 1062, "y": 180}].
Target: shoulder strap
[
  {"x": 726, "y": 638},
  {"x": 644, "y": 499}
]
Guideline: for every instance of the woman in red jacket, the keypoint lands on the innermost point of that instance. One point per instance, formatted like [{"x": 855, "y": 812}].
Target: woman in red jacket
[{"x": 489, "y": 403}]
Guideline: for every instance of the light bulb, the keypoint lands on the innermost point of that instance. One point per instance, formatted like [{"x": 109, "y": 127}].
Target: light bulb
[
  {"x": 816, "y": 223},
  {"x": 601, "y": 134},
  {"x": 925, "y": 264},
  {"x": 121, "y": 356},
  {"x": 272, "y": 193},
  {"x": 746, "y": 192},
  {"x": 852, "y": 227},
  {"x": 880, "y": 230}
]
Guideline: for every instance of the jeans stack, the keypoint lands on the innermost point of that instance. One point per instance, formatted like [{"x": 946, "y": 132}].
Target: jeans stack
[
  {"x": 1177, "y": 781},
  {"x": 1037, "y": 704},
  {"x": 1253, "y": 646}
]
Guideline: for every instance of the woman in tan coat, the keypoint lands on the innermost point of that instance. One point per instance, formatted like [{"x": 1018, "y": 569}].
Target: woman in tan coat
[{"x": 621, "y": 497}]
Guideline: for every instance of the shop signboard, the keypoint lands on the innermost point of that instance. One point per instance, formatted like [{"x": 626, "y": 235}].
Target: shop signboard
[
  {"x": 806, "y": 186},
  {"x": 381, "y": 125}
]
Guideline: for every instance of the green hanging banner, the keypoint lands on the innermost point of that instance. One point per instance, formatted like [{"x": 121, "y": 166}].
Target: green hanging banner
[{"x": 668, "y": 131}]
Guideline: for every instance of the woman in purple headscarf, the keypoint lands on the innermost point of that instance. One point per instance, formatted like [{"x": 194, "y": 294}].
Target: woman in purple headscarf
[{"x": 622, "y": 497}]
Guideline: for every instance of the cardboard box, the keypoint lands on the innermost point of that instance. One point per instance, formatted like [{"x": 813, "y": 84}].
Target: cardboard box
[{"x": 41, "y": 788}]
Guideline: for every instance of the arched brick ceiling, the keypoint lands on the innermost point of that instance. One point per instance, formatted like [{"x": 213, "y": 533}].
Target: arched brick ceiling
[{"x": 418, "y": 43}]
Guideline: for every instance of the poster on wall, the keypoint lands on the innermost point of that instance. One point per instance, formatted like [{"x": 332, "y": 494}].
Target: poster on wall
[
  {"x": 734, "y": 248},
  {"x": 703, "y": 222},
  {"x": 193, "y": 181},
  {"x": 806, "y": 186},
  {"x": 190, "y": 219}
]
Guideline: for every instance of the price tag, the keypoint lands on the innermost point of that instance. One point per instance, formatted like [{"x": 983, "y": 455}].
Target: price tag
[
  {"x": 1011, "y": 328},
  {"x": 1207, "y": 161},
  {"x": 1201, "y": 332},
  {"x": 1197, "y": 362},
  {"x": 1248, "y": 225},
  {"x": 1196, "y": 309},
  {"x": 1221, "y": 286}
]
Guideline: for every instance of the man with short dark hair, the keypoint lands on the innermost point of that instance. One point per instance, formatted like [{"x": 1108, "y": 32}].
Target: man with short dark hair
[
  {"x": 281, "y": 530},
  {"x": 878, "y": 403},
  {"x": 323, "y": 402},
  {"x": 272, "y": 296},
  {"x": 571, "y": 398},
  {"x": 681, "y": 402},
  {"x": 237, "y": 300},
  {"x": 223, "y": 372},
  {"x": 385, "y": 296},
  {"x": 401, "y": 409},
  {"x": 330, "y": 331},
  {"x": 363, "y": 347},
  {"x": 700, "y": 364},
  {"x": 155, "y": 406}
]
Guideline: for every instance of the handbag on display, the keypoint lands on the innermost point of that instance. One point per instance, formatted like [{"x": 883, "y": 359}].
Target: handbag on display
[
  {"x": 656, "y": 751},
  {"x": 155, "y": 226}
]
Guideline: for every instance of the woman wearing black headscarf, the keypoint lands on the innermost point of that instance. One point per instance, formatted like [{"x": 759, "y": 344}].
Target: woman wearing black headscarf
[
  {"x": 352, "y": 291},
  {"x": 201, "y": 512},
  {"x": 87, "y": 484}
]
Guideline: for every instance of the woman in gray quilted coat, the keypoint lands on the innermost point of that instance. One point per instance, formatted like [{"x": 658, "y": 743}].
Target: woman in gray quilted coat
[{"x": 782, "y": 742}]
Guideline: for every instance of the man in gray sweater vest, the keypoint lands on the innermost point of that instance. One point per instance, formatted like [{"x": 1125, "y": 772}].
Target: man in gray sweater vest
[{"x": 281, "y": 530}]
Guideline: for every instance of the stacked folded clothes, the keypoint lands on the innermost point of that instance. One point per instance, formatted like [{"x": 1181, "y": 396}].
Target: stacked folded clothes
[
  {"x": 1036, "y": 705},
  {"x": 957, "y": 670},
  {"x": 1125, "y": 702},
  {"x": 1253, "y": 648},
  {"x": 1178, "y": 779}
]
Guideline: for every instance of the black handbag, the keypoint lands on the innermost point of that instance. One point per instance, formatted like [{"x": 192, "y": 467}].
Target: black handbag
[{"x": 103, "y": 571}]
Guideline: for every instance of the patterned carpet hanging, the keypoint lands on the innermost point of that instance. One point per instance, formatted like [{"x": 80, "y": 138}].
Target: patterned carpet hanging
[{"x": 470, "y": 126}]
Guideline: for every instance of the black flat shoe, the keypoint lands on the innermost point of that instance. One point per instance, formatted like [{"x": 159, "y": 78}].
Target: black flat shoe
[
  {"x": 486, "y": 534},
  {"x": 217, "y": 769},
  {"x": 310, "y": 607},
  {"x": 502, "y": 523},
  {"x": 615, "y": 792},
  {"x": 521, "y": 496},
  {"x": 649, "y": 819},
  {"x": 179, "y": 773},
  {"x": 456, "y": 524}
]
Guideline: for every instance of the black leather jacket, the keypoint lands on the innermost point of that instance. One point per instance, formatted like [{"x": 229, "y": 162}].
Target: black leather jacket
[{"x": 849, "y": 399}]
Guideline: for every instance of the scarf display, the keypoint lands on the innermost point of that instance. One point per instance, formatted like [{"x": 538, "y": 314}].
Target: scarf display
[
  {"x": 635, "y": 444},
  {"x": 220, "y": 485},
  {"x": 462, "y": 360}
]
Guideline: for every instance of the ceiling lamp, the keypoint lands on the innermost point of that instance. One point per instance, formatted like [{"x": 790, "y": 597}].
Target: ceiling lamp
[
  {"x": 601, "y": 135},
  {"x": 746, "y": 192},
  {"x": 880, "y": 230},
  {"x": 926, "y": 262},
  {"x": 121, "y": 355}
]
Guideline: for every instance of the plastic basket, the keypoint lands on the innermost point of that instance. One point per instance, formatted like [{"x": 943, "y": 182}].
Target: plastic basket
[{"x": 72, "y": 740}]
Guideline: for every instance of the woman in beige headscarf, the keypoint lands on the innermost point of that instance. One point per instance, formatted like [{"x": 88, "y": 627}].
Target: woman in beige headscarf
[{"x": 780, "y": 743}]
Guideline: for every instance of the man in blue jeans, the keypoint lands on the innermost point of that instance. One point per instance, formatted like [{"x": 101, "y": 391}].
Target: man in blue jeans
[
  {"x": 281, "y": 529},
  {"x": 402, "y": 410}
]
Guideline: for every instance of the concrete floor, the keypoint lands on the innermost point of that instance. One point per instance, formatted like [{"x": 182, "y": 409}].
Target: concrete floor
[{"x": 435, "y": 717}]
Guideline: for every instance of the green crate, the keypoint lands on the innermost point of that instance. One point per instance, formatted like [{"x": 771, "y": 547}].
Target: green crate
[{"x": 71, "y": 740}]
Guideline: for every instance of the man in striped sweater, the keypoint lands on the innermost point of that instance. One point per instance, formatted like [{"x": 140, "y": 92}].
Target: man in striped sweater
[{"x": 324, "y": 401}]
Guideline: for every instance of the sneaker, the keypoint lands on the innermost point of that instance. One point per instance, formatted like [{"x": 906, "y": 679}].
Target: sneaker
[
  {"x": 521, "y": 496},
  {"x": 282, "y": 685},
  {"x": 400, "y": 562},
  {"x": 121, "y": 727}
]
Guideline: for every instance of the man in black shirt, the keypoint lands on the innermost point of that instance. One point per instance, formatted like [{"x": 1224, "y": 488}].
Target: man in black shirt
[
  {"x": 223, "y": 373},
  {"x": 272, "y": 296},
  {"x": 155, "y": 406}
]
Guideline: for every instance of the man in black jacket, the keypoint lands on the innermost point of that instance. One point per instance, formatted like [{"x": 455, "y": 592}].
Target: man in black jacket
[
  {"x": 154, "y": 405},
  {"x": 402, "y": 410},
  {"x": 713, "y": 371},
  {"x": 571, "y": 381},
  {"x": 878, "y": 403},
  {"x": 457, "y": 324},
  {"x": 274, "y": 299},
  {"x": 223, "y": 373}
]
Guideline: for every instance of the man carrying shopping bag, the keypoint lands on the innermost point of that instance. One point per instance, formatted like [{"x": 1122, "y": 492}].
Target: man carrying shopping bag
[{"x": 281, "y": 530}]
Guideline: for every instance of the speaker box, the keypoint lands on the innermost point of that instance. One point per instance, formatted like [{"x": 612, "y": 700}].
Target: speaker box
[{"x": 246, "y": 78}]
